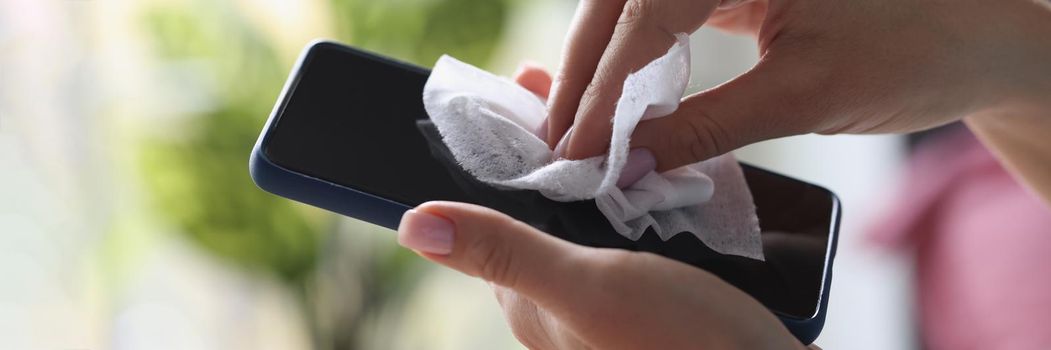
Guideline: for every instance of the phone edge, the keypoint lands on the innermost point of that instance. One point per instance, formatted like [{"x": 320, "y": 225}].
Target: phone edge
[{"x": 303, "y": 188}]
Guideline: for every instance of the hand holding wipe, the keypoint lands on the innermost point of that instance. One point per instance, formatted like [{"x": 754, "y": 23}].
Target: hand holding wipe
[
  {"x": 471, "y": 140},
  {"x": 489, "y": 125}
]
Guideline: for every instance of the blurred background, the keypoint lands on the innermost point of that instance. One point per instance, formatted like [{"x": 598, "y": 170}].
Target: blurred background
[{"x": 128, "y": 220}]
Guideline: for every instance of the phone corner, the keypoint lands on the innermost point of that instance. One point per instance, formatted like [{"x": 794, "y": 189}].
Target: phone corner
[{"x": 261, "y": 169}]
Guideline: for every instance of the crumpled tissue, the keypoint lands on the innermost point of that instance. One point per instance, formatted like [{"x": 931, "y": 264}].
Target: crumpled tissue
[{"x": 488, "y": 124}]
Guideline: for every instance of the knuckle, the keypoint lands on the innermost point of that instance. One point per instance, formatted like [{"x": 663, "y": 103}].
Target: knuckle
[
  {"x": 592, "y": 91},
  {"x": 637, "y": 11},
  {"x": 564, "y": 77},
  {"x": 659, "y": 17},
  {"x": 703, "y": 137},
  {"x": 492, "y": 259}
]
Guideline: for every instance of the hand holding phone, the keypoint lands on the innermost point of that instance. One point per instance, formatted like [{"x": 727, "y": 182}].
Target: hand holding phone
[
  {"x": 559, "y": 295},
  {"x": 349, "y": 134}
]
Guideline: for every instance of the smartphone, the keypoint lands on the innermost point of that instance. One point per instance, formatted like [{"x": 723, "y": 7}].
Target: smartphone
[{"x": 349, "y": 134}]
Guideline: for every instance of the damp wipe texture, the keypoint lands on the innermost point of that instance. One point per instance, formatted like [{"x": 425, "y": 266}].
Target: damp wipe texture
[{"x": 488, "y": 124}]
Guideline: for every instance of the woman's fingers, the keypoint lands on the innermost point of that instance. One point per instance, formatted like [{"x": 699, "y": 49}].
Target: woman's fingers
[
  {"x": 609, "y": 39},
  {"x": 534, "y": 79},
  {"x": 588, "y": 36},
  {"x": 561, "y": 294},
  {"x": 538, "y": 81},
  {"x": 644, "y": 31},
  {"x": 776, "y": 98},
  {"x": 485, "y": 243}
]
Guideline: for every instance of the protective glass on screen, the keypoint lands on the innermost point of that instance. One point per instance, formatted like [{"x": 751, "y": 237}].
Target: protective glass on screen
[{"x": 358, "y": 120}]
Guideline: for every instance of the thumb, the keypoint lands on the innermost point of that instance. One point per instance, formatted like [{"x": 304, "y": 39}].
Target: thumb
[
  {"x": 773, "y": 99},
  {"x": 485, "y": 243}
]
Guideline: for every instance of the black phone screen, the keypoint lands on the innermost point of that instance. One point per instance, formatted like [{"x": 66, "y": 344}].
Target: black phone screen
[{"x": 357, "y": 120}]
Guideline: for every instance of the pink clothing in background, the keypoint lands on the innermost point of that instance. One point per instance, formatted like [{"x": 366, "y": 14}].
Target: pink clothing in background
[{"x": 982, "y": 244}]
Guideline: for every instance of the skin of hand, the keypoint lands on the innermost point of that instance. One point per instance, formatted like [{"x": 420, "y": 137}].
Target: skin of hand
[
  {"x": 559, "y": 295},
  {"x": 828, "y": 67},
  {"x": 851, "y": 66}
]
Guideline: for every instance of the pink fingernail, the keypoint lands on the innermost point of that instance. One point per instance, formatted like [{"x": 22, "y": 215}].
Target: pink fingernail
[
  {"x": 426, "y": 232},
  {"x": 541, "y": 131},
  {"x": 640, "y": 162}
]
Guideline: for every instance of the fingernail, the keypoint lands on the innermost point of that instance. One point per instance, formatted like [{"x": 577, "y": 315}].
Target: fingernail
[
  {"x": 560, "y": 148},
  {"x": 640, "y": 162},
  {"x": 541, "y": 131},
  {"x": 426, "y": 232}
]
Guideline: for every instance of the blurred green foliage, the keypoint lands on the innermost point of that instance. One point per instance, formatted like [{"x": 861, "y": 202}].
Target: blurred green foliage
[
  {"x": 419, "y": 31},
  {"x": 200, "y": 179},
  {"x": 198, "y": 173}
]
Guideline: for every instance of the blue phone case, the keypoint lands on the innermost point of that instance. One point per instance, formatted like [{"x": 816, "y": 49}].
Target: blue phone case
[{"x": 363, "y": 206}]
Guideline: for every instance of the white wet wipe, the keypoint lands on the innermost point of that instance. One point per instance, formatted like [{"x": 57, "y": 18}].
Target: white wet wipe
[{"x": 488, "y": 124}]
